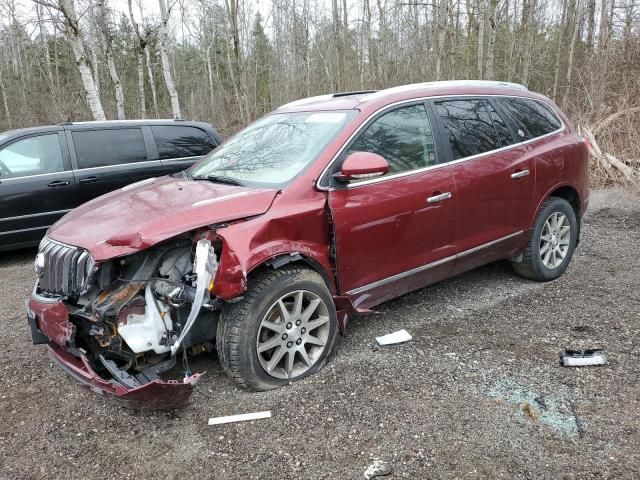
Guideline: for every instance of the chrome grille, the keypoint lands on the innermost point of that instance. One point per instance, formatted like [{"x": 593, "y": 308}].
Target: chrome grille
[{"x": 65, "y": 270}]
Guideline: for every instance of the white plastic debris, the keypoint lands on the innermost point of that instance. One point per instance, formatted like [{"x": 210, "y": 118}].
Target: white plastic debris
[
  {"x": 400, "y": 336},
  {"x": 244, "y": 417},
  {"x": 377, "y": 469},
  {"x": 583, "y": 358}
]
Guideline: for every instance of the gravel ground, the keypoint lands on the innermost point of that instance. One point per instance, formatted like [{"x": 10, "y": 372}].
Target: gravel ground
[{"x": 478, "y": 393}]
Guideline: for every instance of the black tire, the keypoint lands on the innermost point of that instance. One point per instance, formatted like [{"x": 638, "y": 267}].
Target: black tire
[
  {"x": 240, "y": 323},
  {"x": 532, "y": 265}
]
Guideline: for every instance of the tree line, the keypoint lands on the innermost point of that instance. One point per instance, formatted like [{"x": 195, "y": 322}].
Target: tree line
[{"x": 230, "y": 61}]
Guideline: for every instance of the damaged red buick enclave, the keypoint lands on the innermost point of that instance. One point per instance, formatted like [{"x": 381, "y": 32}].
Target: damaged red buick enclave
[{"x": 325, "y": 207}]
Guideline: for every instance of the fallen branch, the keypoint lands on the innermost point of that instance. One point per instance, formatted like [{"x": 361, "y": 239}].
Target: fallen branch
[
  {"x": 607, "y": 160},
  {"x": 613, "y": 117}
]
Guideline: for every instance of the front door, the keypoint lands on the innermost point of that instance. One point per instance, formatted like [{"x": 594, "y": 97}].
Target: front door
[
  {"x": 395, "y": 233},
  {"x": 36, "y": 188}
]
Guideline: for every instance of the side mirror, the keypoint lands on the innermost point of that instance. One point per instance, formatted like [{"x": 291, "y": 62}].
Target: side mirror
[{"x": 361, "y": 165}]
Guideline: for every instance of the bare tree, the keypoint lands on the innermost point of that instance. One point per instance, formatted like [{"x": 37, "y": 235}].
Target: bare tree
[
  {"x": 141, "y": 45},
  {"x": 164, "y": 56},
  {"x": 104, "y": 19},
  {"x": 74, "y": 36}
]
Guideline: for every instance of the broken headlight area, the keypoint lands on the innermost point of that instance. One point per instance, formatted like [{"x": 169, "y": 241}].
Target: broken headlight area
[{"x": 143, "y": 313}]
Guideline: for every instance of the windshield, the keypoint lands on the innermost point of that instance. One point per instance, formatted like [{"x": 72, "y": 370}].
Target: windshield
[{"x": 273, "y": 150}]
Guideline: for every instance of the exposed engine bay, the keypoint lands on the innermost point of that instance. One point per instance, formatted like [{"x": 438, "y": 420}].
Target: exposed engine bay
[{"x": 139, "y": 312}]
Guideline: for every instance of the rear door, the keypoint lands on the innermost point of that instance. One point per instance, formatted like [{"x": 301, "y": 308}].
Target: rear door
[
  {"x": 180, "y": 146},
  {"x": 36, "y": 187},
  {"x": 494, "y": 182},
  {"x": 106, "y": 159},
  {"x": 392, "y": 234}
]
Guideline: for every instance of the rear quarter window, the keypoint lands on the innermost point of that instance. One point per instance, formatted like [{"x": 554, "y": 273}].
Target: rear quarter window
[
  {"x": 102, "y": 148},
  {"x": 179, "y": 142},
  {"x": 532, "y": 118}
]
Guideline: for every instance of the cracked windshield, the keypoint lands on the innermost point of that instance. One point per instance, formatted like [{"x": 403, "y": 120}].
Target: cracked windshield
[{"x": 272, "y": 151}]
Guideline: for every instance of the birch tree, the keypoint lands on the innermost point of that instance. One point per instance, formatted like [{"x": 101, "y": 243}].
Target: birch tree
[
  {"x": 164, "y": 56},
  {"x": 74, "y": 37},
  {"x": 104, "y": 19}
]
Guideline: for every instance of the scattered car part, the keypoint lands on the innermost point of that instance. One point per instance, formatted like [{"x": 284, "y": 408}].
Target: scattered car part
[
  {"x": 378, "y": 468},
  {"x": 401, "y": 336},
  {"x": 244, "y": 417},
  {"x": 583, "y": 358}
]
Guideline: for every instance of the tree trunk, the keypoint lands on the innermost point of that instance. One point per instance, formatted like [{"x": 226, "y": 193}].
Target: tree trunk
[
  {"x": 152, "y": 83},
  {"x": 493, "y": 5},
  {"x": 482, "y": 22},
  {"x": 559, "y": 51},
  {"x": 166, "y": 64},
  {"x": 5, "y": 104},
  {"x": 530, "y": 28},
  {"x": 111, "y": 63},
  {"x": 140, "y": 47},
  {"x": 591, "y": 23},
  {"x": 74, "y": 36},
  {"x": 576, "y": 20}
]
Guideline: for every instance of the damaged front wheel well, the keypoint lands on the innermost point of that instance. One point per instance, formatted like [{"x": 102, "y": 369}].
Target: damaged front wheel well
[{"x": 290, "y": 259}]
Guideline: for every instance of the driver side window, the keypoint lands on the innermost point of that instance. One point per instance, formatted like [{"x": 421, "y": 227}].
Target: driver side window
[
  {"x": 403, "y": 137},
  {"x": 31, "y": 156}
]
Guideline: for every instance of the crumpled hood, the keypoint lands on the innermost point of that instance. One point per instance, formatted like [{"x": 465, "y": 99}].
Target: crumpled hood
[{"x": 140, "y": 215}]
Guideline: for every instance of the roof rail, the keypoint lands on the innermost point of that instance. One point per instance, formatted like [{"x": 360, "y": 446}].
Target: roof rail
[{"x": 356, "y": 92}]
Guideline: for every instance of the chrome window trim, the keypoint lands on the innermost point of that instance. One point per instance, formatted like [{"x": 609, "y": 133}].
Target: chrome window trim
[
  {"x": 41, "y": 214},
  {"x": 63, "y": 172},
  {"x": 365, "y": 123},
  {"x": 102, "y": 167},
  {"x": 407, "y": 273}
]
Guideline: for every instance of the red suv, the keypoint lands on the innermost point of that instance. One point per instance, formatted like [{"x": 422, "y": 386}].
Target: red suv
[{"x": 328, "y": 206}]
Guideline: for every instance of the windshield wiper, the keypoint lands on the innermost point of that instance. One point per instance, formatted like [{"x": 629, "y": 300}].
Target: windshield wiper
[{"x": 221, "y": 179}]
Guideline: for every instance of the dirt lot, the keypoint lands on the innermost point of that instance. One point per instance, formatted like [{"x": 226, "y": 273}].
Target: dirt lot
[{"x": 477, "y": 394}]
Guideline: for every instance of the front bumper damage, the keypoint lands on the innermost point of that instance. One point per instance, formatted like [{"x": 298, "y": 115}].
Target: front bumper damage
[{"x": 50, "y": 325}]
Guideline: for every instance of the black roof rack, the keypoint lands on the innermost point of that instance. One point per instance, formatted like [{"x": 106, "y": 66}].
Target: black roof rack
[{"x": 357, "y": 92}]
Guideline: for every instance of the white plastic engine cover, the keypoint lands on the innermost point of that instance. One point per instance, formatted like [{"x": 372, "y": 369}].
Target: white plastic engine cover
[{"x": 144, "y": 332}]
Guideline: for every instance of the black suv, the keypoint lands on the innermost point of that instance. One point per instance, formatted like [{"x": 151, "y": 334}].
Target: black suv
[{"x": 47, "y": 171}]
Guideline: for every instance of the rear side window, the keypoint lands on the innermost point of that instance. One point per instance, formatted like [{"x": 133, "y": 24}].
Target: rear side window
[
  {"x": 532, "y": 118},
  {"x": 468, "y": 127},
  {"x": 504, "y": 134},
  {"x": 179, "y": 142},
  {"x": 403, "y": 137},
  {"x": 103, "y": 148}
]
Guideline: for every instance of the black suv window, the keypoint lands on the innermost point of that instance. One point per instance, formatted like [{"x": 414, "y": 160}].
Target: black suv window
[
  {"x": 101, "y": 148},
  {"x": 403, "y": 137},
  {"x": 31, "y": 156},
  {"x": 532, "y": 118},
  {"x": 468, "y": 126},
  {"x": 178, "y": 142}
]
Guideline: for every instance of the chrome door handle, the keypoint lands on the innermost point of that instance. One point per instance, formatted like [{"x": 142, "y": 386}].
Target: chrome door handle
[
  {"x": 437, "y": 198},
  {"x": 520, "y": 174}
]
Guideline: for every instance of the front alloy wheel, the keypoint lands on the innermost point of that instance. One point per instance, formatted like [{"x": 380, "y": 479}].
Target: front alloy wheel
[
  {"x": 283, "y": 329},
  {"x": 293, "y": 334}
]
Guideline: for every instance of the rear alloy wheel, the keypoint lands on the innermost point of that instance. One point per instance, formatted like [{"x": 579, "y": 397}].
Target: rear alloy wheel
[
  {"x": 283, "y": 329},
  {"x": 552, "y": 242}
]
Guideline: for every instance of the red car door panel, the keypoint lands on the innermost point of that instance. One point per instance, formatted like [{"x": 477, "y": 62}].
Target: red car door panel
[{"x": 388, "y": 228}]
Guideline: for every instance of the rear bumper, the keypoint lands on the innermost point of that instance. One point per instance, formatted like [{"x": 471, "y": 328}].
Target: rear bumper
[{"x": 49, "y": 323}]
